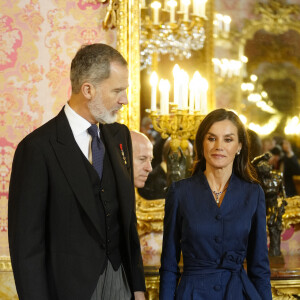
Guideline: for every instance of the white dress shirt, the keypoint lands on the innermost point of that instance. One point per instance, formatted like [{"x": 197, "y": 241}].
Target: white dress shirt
[{"x": 79, "y": 127}]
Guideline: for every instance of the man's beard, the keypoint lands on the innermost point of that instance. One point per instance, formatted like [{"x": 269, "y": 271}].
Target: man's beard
[{"x": 100, "y": 113}]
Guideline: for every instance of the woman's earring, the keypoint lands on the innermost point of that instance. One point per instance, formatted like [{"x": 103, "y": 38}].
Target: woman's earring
[{"x": 238, "y": 153}]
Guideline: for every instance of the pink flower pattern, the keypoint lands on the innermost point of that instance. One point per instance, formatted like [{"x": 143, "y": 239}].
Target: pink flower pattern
[{"x": 10, "y": 41}]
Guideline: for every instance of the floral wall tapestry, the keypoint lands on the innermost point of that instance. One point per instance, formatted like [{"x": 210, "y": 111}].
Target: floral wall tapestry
[{"x": 38, "y": 39}]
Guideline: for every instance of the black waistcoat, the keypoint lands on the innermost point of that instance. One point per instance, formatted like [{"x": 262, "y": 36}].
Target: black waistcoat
[{"x": 106, "y": 196}]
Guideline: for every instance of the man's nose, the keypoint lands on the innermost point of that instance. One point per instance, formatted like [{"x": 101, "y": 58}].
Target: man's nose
[
  {"x": 123, "y": 99},
  {"x": 148, "y": 166}
]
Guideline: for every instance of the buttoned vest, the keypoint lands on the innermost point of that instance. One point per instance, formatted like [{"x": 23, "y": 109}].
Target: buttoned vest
[{"x": 106, "y": 197}]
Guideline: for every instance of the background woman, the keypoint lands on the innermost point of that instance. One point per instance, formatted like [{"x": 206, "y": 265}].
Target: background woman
[{"x": 217, "y": 219}]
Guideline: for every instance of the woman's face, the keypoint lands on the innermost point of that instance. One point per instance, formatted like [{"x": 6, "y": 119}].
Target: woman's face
[{"x": 220, "y": 145}]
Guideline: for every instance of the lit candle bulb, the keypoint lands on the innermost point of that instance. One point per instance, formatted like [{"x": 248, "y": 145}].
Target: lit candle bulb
[
  {"x": 216, "y": 27},
  {"x": 196, "y": 7},
  {"x": 219, "y": 18},
  {"x": 203, "y": 101},
  {"x": 186, "y": 4},
  {"x": 217, "y": 64},
  {"x": 197, "y": 85},
  {"x": 176, "y": 71},
  {"x": 164, "y": 88},
  {"x": 172, "y": 4},
  {"x": 227, "y": 21},
  {"x": 181, "y": 92},
  {"x": 202, "y": 8},
  {"x": 156, "y": 6},
  {"x": 181, "y": 5},
  {"x": 185, "y": 90},
  {"x": 153, "y": 83},
  {"x": 192, "y": 96}
]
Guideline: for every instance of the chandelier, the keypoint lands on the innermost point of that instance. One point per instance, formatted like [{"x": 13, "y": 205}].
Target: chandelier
[{"x": 174, "y": 30}]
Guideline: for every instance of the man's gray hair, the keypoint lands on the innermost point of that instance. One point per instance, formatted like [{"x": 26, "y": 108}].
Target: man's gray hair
[{"x": 92, "y": 64}]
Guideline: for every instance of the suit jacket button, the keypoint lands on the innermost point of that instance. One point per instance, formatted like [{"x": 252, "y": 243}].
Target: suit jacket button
[
  {"x": 218, "y": 240},
  {"x": 218, "y": 217},
  {"x": 217, "y": 287},
  {"x": 102, "y": 190}
]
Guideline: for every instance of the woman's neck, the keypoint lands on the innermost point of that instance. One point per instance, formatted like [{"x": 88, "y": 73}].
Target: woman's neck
[{"x": 217, "y": 178}]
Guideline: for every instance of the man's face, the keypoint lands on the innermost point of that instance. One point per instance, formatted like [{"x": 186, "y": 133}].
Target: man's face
[
  {"x": 142, "y": 157},
  {"x": 110, "y": 95}
]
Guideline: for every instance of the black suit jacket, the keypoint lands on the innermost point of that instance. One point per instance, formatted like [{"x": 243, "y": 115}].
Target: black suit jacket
[{"x": 56, "y": 242}]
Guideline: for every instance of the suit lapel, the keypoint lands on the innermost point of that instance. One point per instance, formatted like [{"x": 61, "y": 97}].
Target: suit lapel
[
  {"x": 113, "y": 139},
  {"x": 70, "y": 158}
]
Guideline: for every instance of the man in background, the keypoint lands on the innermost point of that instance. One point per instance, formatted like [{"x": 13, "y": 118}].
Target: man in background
[
  {"x": 71, "y": 210},
  {"x": 284, "y": 160},
  {"x": 142, "y": 157}
]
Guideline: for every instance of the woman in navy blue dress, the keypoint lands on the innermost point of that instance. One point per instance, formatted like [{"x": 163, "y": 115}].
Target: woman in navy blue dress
[{"x": 217, "y": 220}]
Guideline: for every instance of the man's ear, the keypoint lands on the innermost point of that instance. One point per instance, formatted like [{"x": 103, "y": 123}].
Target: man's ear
[{"x": 87, "y": 90}]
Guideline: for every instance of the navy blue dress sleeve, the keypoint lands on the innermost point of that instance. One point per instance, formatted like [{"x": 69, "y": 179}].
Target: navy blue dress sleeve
[
  {"x": 258, "y": 268},
  {"x": 169, "y": 271}
]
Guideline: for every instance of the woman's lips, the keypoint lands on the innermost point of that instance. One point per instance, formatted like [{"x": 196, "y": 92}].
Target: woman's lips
[{"x": 218, "y": 155}]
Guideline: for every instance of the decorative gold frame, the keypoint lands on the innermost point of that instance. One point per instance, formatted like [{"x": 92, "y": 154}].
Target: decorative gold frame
[
  {"x": 150, "y": 215},
  {"x": 5, "y": 264},
  {"x": 275, "y": 17},
  {"x": 292, "y": 212},
  {"x": 128, "y": 45}
]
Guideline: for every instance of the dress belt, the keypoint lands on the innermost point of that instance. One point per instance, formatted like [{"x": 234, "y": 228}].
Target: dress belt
[{"x": 239, "y": 284}]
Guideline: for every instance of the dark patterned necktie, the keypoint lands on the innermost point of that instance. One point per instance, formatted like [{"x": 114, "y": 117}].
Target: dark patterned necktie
[{"x": 98, "y": 149}]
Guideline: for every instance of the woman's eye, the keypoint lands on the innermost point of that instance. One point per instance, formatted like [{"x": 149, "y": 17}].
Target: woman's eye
[
  {"x": 211, "y": 139},
  {"x": 228, "y": 140}
]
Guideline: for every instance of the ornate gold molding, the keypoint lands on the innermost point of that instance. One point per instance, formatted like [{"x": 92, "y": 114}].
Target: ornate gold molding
[
  {"x": 150, "y": 215},
  {"x": 292, "y": 212},
  {"x": 209, "y": 54},
  {"x": 285, "y": 289},
  {"x": 276, "y": 16},
  {"x": 128, "y": 45},
  {"x": 152, "y": 287},
  {"x": 110, "y": 20},
  {"x": 5, "y": 264},
  {"x": 275, "y": 19}
]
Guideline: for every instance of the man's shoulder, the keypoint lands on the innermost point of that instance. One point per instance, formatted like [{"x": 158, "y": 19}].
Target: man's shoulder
[
  {"x": 116, "y": 128},
  {"x": 115, "y": 125},
  {"x": 43, "y": 132}
]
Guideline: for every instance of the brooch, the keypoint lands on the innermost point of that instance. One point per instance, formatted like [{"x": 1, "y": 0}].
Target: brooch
[{"x": 122, "y": 152}]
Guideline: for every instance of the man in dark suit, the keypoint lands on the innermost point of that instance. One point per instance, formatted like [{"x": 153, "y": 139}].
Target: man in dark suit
[{"x": 72, "y": 224}]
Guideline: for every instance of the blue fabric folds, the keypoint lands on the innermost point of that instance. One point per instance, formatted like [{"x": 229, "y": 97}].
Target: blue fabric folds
[{"x": 239, "y": 285}]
